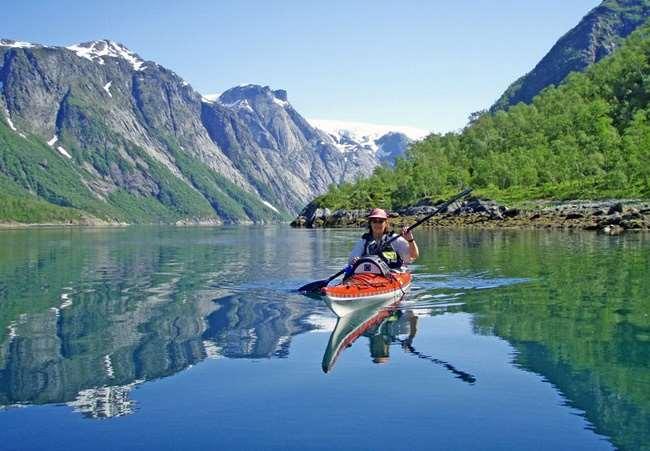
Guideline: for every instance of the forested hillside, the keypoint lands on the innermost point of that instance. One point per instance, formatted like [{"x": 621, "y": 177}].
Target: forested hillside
[{"x": 588, "y": 138}]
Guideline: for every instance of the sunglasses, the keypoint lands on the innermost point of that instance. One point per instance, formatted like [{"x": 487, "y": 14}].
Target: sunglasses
[{"x": 377, "y": 221}]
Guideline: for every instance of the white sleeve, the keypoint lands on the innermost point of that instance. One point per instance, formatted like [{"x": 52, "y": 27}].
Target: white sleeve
[
  {"x": 357, "y": 250},
  {"x": 402, "y": 247}
]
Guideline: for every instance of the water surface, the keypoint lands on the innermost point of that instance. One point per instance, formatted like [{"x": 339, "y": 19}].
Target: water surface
[{"x": 169, "y": 338}]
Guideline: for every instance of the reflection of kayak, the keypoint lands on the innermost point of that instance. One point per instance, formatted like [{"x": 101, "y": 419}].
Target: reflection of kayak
[
  {"x": 351, "y": 326},
  {"x": 359, "y": 289}
]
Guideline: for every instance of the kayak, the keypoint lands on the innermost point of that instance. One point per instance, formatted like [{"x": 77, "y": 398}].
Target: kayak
[{"x": 360, "y": 289}]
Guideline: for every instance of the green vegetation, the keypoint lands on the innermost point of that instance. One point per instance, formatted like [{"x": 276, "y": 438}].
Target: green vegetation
[
  {"x": 18, "y": 205},
  {"x": 37, "y": 181},
  {"x": 588, "y": 138}
]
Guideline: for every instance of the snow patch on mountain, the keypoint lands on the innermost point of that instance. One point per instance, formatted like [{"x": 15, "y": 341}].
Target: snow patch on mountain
[
  {"x": 64, "y": 152},
  {"x": 16, "y": 44},
  {"x": 270, "y": 206},
  {"x": 241, "y": 104},
  {"x": 96, "y": 51},
  {"x": 360, "y": 130},
  {"x": 210, "y": 98},
  {"x": 354, "y": 137},
  {"x": 107, "y": 88},
  {"x": 282, "y": 103},
  {"x": 11, "y": 124}
]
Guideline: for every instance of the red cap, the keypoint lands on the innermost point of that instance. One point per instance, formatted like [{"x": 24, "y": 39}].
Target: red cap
[{"x": 378, "y": 213}]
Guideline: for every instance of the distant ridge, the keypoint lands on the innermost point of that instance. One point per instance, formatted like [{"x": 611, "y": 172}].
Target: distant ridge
[{"x": 596, "y": 36}]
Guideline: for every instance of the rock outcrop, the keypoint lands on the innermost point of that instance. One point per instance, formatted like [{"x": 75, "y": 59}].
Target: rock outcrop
[{"x": 611, "y": 217}]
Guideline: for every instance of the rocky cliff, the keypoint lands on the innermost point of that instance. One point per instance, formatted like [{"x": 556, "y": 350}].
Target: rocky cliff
[{"x": 97, "y": 130}]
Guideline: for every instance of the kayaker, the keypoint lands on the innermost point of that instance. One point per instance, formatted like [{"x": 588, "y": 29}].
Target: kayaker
[{"x": 400, "y": 252}]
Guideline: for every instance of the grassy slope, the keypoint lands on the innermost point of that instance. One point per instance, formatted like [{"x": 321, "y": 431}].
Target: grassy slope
[{"x": 38, "y": 185}]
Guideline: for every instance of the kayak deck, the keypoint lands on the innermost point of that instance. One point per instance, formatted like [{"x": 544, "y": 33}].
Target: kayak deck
[{"x": 356, "y": 291}]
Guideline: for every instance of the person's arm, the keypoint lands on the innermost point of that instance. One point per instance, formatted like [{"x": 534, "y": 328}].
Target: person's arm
[
  {"x": 414, "y": 252},
  {"x": 357, "y": 251}
]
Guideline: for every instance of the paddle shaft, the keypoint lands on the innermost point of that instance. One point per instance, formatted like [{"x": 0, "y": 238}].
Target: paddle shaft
[
  {"x": 329, "y": 279},
  {"x": 436, "y": 211}
]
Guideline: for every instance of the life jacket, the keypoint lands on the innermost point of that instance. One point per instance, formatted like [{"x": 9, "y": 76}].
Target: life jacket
[{"x": 383, "y": 249}]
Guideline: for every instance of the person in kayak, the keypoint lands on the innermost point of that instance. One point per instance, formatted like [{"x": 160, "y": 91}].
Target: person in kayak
[{"x": 400, "y": 252}]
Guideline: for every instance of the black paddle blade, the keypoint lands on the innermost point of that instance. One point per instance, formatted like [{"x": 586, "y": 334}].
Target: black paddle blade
[{"x": 313, "y": 287}]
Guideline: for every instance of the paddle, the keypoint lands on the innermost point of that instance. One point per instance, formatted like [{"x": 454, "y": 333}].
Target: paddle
[
  {"x": 437, "y": 210},
  {"x": 317, "y": 285}
]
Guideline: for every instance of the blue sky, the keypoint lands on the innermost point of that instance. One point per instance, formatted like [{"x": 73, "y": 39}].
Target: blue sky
[{"x": 427, "y": 64}]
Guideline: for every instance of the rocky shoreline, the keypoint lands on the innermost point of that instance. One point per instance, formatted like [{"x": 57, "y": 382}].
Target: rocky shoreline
[
  {"x": 612, "y": 217},
  {"x": 94, "y": 222}
]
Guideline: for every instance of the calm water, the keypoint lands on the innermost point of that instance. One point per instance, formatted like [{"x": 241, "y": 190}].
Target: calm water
[{"x": 165, "y": 338}]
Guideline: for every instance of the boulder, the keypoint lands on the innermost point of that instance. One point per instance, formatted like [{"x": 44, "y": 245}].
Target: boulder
[
  {"x": 341, "y": 218},
  {"x": 311, "y": 216},
  {"x": 615, "y": 208},
  {"x": 632, "y": 224},
  {"x": 573, "y": 215},
  {"x": 320, "y": 214},
  {"x": 511, "y": 212},
  {"x": 491, "y": 209},
  {"x": 613, "y": 230},
  {"x": 300, "y": 221},
  {"x": 417, "y": 210},
  {"x": 632, "y": 213},
  {"x": 610, "y": 220}
]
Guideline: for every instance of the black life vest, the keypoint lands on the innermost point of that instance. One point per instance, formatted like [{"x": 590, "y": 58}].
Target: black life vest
[{"x": 383, "y": 249}]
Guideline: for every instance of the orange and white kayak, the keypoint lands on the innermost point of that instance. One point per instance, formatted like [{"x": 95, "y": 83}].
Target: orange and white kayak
[{"x": 357, "y": 290}]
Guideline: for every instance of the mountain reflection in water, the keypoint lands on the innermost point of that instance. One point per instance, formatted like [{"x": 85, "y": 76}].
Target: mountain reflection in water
[
  {"x": 92, "y": 315},
  {"x": 87, "y": 316}
]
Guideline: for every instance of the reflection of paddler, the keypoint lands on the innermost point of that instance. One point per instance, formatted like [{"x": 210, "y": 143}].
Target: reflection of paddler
[
  {"x": 398, "y": 323},
  {"x": 379, "y": 346}
]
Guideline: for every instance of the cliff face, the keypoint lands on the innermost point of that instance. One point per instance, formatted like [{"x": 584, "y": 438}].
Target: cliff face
[
  {"x": 135, "y": 143},
  {"x": 273, "y": 146},
  {"x": 596, "y": 36}
]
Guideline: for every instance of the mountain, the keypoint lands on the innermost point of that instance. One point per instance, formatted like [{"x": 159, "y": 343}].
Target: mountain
[
  {"x": 597, "y": 35},
  {"x": 359, "y": 141},
  {"x": 93, "y": 132},
  {"x": 274, "y": 147}
]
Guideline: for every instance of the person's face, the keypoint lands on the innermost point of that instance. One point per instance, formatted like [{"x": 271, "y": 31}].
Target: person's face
[{"x": 377, "y": 225}]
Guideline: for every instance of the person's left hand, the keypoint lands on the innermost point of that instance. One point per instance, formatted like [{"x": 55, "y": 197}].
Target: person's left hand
[{"x": 408, "y": 236}]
